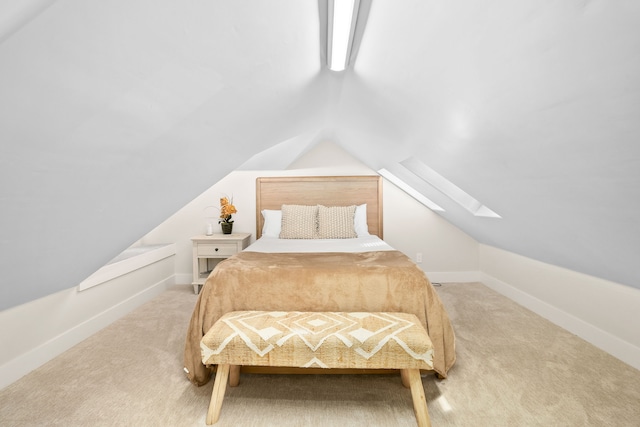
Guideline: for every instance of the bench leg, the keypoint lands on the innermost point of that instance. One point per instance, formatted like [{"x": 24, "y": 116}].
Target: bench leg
[
  {"x": 417, "y": 394},
  {"x": 404, "y": 375},
  {"x": 217, "y": 395},
  {"x": 234, "y": 375}
]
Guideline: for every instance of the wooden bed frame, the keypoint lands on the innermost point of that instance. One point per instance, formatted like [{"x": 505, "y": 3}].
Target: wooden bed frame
[{"x": 273, "y": 192}]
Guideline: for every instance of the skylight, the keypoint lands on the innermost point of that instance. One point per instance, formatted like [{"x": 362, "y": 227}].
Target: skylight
[
  {"x": 341, "y": 24},
  {"x": 409, "y": 190},
  {"x": 448, "y": 188}
]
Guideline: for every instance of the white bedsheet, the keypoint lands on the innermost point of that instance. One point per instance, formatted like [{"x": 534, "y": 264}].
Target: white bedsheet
[{"x": 361, "y": 244}]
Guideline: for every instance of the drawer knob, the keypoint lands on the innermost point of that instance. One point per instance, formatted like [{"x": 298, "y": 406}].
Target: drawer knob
[{"x": 216, "y": 249}]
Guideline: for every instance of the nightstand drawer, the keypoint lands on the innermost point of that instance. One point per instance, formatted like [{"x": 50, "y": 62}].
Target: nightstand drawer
[{"x": 217, "y": 249}]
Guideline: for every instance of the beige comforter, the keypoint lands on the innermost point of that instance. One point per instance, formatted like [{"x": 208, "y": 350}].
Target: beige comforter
[{"x": 368, "y": 281}]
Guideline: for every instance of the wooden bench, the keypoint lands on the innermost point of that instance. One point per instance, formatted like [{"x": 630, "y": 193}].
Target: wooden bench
[{"x": 318, "y": 339}]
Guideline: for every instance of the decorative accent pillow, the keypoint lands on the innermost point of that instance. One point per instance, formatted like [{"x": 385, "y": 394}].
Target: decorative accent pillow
[
  {"x": 336, "y": 222},
  {"x": 299, "y": 222},
  {"x": 360, "y": 221},
  {"x": 272, "y": 222}
]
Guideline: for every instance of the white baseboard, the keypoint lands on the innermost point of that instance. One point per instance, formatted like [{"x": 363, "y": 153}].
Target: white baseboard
[
  {"x": 604, "y": 340},
  {"x": 27, "y": 362},
  {"x": 453, "y": 276}
]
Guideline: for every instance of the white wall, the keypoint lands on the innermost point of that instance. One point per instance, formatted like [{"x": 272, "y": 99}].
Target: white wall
[
  {"x": 408, "y": 225},
  {"x": 448, "y": 254},
  {"x": 603, "y": 313},
  {"x": 34, "y": 333}
]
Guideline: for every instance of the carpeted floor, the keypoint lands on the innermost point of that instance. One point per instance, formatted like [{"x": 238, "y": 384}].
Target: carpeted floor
[{"x": 514, "y": 369}]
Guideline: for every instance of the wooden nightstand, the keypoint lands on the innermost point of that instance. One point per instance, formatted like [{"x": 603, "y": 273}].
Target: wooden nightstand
[{"x": 210, "y": 250}]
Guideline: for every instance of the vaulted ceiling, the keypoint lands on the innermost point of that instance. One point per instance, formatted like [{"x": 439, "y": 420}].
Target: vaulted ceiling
[{"x": 113, "y": 115}]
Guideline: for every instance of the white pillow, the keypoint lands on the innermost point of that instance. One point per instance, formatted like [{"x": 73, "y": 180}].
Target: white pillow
[
  {"x": 272, "y": 222},
  {"x": 360, "y": 221}
]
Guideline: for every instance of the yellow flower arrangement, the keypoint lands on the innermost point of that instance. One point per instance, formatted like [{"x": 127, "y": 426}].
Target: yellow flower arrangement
[{"x": 226, "y": 209}]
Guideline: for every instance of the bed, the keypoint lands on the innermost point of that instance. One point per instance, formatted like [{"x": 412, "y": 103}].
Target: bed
[{"x": 319, "y": 272}]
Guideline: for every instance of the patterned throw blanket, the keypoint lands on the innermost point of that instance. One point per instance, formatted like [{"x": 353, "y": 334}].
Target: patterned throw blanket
[{"x": 384, "y": 281}]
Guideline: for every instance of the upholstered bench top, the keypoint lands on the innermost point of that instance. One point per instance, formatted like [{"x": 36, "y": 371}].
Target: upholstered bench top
[{"x": 318, "y": 339}]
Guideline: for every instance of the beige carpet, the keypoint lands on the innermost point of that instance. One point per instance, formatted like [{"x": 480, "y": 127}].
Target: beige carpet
[{"x": 513, "y": 369}]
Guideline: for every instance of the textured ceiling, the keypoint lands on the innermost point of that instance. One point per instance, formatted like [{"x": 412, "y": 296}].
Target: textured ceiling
[{"x": 113, "y": 115}]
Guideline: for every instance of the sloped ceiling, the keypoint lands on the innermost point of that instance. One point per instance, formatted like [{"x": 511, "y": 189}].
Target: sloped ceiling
[{"x": 113, "y": 115}]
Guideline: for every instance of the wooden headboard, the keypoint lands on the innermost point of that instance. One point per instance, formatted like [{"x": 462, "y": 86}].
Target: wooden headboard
[{"x": 273, "y": 192}]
